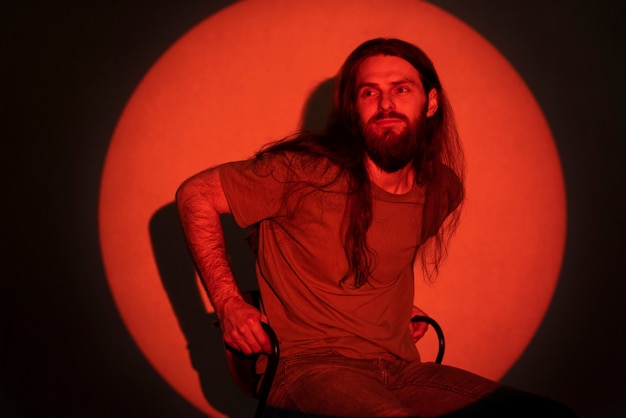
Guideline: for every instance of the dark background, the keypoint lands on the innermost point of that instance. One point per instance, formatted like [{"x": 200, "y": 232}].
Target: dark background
[{"x": 68, "y": 68}]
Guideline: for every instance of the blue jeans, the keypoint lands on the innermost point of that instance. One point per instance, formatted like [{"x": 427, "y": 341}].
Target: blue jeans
[{"x": 331, "y": 385}]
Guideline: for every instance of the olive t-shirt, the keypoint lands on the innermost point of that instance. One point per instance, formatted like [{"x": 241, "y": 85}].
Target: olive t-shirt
[{"x": 301, "y": 261}]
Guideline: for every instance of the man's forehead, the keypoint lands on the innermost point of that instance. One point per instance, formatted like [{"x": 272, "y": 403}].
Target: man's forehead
[{"x": 387, "y": 68}]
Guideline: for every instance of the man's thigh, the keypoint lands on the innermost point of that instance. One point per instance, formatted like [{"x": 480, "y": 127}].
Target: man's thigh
[
  {"x": 329, "y": 385},
  {"x": 434, "y": 390}
]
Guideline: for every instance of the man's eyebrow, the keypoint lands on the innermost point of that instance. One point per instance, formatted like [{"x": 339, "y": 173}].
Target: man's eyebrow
[
  {"x": 404, "y": 81},
  {"x": 393, "y": 83},
  {"x": 370, "y": 84}
]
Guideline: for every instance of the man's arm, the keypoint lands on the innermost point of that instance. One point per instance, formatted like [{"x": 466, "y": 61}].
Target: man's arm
[{"x": 200, "y": 201}]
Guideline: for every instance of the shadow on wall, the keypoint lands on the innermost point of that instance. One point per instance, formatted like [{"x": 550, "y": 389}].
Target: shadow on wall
[
  {"x": 204, "y": 341},
  {"x": 177, "y": 274}
]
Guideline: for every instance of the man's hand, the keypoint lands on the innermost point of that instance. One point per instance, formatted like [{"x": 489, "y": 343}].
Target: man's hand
[
  {"x": 241, "y": 327},
  {"x": 419, "y": 328}
]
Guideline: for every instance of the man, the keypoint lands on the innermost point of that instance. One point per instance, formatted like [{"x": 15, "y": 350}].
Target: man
[{"x": 339, "y": 219}]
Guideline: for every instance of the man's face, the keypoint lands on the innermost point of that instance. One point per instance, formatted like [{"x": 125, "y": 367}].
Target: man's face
[{"x": 393, "y": 108}]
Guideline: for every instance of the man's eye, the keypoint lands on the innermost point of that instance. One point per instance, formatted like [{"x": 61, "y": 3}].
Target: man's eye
[{"x": 402, "y": 90}]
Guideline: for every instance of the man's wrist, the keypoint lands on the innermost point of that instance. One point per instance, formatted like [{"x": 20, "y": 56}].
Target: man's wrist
[{"x": 225, "y": 304}]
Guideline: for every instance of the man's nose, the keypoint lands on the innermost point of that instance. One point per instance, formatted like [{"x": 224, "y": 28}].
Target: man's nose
[{"x": 386, "y": 102}]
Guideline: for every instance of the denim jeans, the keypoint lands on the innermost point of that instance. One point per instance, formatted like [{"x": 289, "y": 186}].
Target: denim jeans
[{"x": 331, "y": 385}]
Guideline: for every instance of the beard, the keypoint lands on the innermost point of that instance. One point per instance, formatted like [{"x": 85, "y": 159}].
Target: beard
[{"x": 390, "y": 148}]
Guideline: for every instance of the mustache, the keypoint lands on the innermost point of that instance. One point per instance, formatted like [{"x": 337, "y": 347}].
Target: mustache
[{"x": 388, "y": 114}]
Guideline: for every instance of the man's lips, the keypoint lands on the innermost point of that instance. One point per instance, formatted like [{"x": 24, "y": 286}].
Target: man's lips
[
  {"x": 389, "y": 117},
  {"x": 388, "y": 121}
]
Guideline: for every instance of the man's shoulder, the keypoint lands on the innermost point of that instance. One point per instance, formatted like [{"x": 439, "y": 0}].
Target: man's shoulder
[{"x": 296, "y": 165}]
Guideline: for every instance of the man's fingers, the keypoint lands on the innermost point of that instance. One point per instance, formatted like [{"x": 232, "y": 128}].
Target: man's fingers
[
  {"x": 418, "y": 330},
  {"x": 242, "y": 329},
  {"x": 263, "y": 340},
  {"x": 249, "y": 337}
]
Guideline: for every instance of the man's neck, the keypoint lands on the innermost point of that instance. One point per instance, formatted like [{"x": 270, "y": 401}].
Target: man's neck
[{"x": 399, "y": 182}]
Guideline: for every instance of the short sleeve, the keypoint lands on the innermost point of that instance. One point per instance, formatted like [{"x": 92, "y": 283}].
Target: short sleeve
[{"x": 254, "y": 189}]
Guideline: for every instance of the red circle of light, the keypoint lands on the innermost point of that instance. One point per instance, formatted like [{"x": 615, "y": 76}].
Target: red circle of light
[{"x": 241, "y": 78}]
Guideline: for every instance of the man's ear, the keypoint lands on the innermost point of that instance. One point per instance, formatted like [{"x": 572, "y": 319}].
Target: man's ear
[{"x": 433, "y": 103}]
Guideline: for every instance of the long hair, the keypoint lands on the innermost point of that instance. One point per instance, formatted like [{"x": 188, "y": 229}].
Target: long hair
[{"x": 438, "y": 166}]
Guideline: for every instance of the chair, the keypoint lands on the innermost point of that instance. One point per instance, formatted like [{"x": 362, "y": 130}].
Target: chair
[{"x": 242, "y": 366}]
